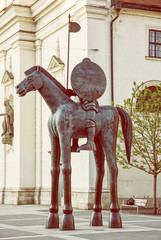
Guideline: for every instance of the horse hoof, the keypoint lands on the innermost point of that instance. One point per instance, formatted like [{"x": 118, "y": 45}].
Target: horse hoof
[
  {"x": 96, "y": 219},
  {"x": 115, "y": 220},
  {"x": 53, "y": 221},
  {"x": 68, "y": 222}
]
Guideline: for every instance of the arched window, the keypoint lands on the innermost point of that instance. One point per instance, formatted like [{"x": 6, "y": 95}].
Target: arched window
[{"x": 149, "y": 99}]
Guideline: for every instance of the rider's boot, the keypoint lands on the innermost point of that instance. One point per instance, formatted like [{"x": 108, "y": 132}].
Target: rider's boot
[{"x": 90, "y": 145}]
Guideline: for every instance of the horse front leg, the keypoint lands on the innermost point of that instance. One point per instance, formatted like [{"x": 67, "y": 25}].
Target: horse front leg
[
  {"x": 53, "y": 218},
  {"x": 96, "y": 219},
  {"x": 68, "y": 219}
]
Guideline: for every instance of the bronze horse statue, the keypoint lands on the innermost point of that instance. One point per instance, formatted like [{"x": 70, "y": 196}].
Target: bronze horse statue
[{"x": 67, "y": 122}]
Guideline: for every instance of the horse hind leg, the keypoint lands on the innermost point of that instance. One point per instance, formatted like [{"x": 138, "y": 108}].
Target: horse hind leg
[
  {"x": 53, "y": 218},
  {"x": 96, "y": 219},
  {"x": 109, "y": 146}
]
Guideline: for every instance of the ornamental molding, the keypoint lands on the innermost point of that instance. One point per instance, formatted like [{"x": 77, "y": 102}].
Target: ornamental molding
[
  {"x": 16, "y": 23},
  {"x": 42, "y": 7},
  {"x": 78, "y": 13},
  {"x": 151, "y": 83},
  {"x": 55, "y": 64},
  {"x": 140, "y": 13},
  {"x": 15, "y": 12},
  {"x": 8, "y": 78}
]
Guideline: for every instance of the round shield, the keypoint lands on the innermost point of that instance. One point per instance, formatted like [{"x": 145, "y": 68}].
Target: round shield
[{"x": 88, "y": 80}]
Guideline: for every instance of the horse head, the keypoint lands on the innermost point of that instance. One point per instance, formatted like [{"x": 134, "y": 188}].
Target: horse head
[{"x": 32, "y": 81}]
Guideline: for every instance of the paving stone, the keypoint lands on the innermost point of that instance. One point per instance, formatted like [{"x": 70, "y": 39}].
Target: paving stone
[
  {"x": 4, "y": 233},
  {"x": 20, "y": 216},
  {"x": 40, "y": 238},
  {"x": 150, "y": 224},
  {"x": 29, "y": 222},
  {"x": 124, "y": 236}
]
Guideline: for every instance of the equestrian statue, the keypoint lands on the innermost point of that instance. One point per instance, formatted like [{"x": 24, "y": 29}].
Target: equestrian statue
[{"x": 84, "y": 118}]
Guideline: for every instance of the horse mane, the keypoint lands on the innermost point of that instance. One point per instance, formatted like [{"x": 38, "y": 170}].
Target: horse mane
[{"x": 34, "y": 68}]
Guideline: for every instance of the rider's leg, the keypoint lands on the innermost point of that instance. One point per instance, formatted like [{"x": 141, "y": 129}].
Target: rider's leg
[{"x": 90, "y": 128}]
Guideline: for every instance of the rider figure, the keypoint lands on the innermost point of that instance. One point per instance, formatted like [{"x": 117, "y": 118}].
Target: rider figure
[
  {"x": 91, "y": 108},
  {"x": 88, "y": 82}
]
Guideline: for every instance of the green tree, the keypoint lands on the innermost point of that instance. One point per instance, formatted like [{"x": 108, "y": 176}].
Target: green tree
[{"x": 145, "y": 110}]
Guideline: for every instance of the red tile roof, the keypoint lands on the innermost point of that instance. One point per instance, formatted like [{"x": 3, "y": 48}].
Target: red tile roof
[{"x": 153, "y": 5}]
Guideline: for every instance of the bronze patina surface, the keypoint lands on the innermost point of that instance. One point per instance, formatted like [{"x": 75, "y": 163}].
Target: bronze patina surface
[
  {"x": 68, "y": 121},
  {"x": 88, "y": 80}
]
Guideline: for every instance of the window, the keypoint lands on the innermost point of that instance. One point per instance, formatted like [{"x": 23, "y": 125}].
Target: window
[
  {"x": 149, "y": 100},
  {"x": 155, "y": 43}
]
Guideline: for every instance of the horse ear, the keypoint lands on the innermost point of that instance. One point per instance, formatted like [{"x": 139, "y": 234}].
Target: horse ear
[{"x": 38, "y": 69}]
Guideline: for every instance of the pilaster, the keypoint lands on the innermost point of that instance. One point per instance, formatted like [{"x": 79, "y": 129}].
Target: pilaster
[
  {"x": 2, "y": 152},
  {"x": 38, "y": 193},
  {"x": 20, "y": 159}
]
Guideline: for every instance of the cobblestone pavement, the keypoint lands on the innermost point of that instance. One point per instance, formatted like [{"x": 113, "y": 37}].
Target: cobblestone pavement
[{"x": 28, "y": 222}]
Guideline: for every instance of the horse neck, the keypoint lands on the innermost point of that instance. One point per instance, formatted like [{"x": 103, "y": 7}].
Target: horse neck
[{"x": 52, "y": 94}]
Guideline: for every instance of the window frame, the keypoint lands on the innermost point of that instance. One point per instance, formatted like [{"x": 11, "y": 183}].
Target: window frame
[{"x": 155, "y": 43}]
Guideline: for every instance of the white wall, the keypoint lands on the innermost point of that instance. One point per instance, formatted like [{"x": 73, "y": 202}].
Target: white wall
[
  {"x": 132, "y": 64},
  {"x": 93, "y": 25},
  {"x": 131, "y": 50}
]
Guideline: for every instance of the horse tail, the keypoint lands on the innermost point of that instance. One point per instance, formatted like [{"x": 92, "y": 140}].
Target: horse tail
[{"x": 126, "y": 124}]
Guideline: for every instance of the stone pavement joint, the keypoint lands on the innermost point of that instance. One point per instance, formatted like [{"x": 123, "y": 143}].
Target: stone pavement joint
[{"x": 28, "y": 222}]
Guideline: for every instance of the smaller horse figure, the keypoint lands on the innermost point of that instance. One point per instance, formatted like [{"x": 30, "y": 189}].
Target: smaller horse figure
[{"x": 67, "y": 121}]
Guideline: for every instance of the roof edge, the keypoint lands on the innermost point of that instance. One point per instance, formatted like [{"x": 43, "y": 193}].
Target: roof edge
[{"x": 141, "y": 6}]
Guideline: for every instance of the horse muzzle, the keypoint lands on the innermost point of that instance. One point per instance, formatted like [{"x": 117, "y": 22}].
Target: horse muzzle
[{"x": 20, "y": 91}]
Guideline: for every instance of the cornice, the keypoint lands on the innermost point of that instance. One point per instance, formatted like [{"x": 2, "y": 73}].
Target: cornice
[
  {"x": 96, "y": 3},
  {"x": 142, "y": 6},
  {"x": 28, "y": 37},
  {"x": 42, "y": 7},
  {"x": 13, "y": 12},
  {"x": 21, "y": 20},
  {"x": 51, "y": 27},
  {"x": 23, "y": 45},
  {"x": 140, "y": 13},
  {"x": 96, "y": 12},
  {"x": 15, "y": 24},
  {"x": 77, "y": 12}
]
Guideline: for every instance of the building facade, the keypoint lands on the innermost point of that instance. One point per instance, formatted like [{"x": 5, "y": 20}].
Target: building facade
[{"x": 118, "y": 36}]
